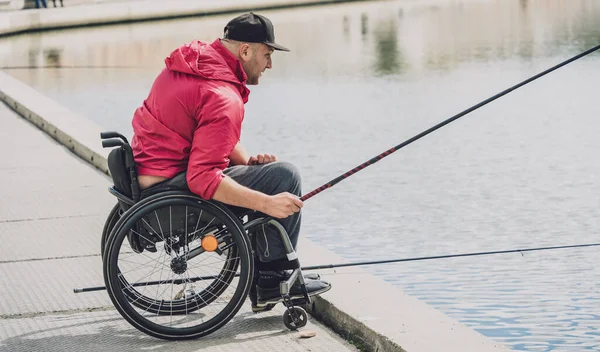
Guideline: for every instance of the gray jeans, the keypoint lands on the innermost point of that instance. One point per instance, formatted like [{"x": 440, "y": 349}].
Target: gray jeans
[{"x": 271, "y": 179}]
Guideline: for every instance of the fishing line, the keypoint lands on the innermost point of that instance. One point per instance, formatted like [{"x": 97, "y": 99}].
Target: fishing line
[
  {"x": 341, "y": 265},
  {"x": 523, "y": 250}
]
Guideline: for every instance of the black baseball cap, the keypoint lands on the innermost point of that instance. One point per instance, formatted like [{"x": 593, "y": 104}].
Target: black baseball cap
[{"x": 252, "y": 28}]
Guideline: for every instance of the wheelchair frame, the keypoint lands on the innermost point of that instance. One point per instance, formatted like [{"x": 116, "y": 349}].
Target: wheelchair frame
[{"x": 129, "y": 202}]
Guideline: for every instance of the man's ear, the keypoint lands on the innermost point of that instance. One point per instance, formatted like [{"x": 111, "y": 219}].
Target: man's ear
[{"x": 246, "y": 52}]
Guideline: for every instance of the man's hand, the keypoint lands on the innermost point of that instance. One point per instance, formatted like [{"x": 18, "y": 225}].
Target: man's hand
[
  {"x": 279, "y": 206},
  {"x": 261, "y": 159},
  {"x": 282, "y": 205}
]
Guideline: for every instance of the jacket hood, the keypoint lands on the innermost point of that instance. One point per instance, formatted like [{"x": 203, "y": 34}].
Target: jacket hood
[{"x": 210, "y": 61}]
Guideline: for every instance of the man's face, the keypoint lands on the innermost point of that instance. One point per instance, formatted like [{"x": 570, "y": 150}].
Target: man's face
[{"x": 255, "y": 61}]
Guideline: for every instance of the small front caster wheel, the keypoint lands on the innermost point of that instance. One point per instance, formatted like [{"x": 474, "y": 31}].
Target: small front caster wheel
[{"x": 295, "y": 318}]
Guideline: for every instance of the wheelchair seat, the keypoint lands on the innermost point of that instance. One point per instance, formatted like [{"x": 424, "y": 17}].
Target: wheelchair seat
[{"x": 176, "y": 183}]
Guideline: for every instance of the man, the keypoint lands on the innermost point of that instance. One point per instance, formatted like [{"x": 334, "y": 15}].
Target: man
[{"x": 191, "y": 121}]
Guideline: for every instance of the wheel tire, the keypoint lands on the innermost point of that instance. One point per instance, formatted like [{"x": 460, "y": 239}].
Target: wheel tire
[
  {"x": 207, "y": 296},
  {"x": 288, "y": 320},
  {"x": 122, "y": 299}
]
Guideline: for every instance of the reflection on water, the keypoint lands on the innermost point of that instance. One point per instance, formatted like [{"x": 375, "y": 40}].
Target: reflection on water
[
  {"x": 388, "y": 60},
  {"x": 520, "y": 172}
]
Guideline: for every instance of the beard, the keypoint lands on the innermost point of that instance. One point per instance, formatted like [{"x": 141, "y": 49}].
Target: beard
[
  {"x": 252, "y": 80},
  {"x": 252, "y": 72}
]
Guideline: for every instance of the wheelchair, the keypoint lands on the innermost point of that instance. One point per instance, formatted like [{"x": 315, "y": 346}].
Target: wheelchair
[{"x": 177, "y": 266}]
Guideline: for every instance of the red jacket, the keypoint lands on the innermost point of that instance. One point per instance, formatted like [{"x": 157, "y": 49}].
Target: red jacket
[{"x": 192, "y": 117}]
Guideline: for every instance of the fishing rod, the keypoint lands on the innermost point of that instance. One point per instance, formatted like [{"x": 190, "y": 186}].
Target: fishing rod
[
  {"x": 441, "y": 124},
  {"x": 333, "y": 266}
]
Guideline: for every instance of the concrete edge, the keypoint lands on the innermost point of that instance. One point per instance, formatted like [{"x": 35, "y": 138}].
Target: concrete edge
[
  {"x": 349, "y": 328},
  {"x": 25, "y": 21},
  {"x": 29, "y": 103}
]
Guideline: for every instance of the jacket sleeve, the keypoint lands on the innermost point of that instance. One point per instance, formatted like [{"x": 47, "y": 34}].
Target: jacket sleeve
[{"x": 215, "y": 137}]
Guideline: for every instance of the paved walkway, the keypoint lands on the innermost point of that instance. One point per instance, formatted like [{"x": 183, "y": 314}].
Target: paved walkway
[{"x": 52, "y": 209}]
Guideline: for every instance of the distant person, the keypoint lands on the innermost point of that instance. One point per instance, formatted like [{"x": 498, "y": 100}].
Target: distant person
[
  {"x": 43, "y": 3},
  {"x": 191, "y": 122},
  {"x": 61, "y": 3}
]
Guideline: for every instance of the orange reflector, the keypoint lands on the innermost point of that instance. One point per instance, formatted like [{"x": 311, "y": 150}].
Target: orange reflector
[{"x": 210, "y": 243}]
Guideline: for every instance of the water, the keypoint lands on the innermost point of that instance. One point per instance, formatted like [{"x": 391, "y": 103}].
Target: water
[{"x": 361, "y": 78}]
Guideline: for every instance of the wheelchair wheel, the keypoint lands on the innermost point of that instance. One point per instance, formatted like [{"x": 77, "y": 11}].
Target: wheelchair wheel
[
  {"x": 190, "y": 286},
  {"x": 227, "y": 273}
]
